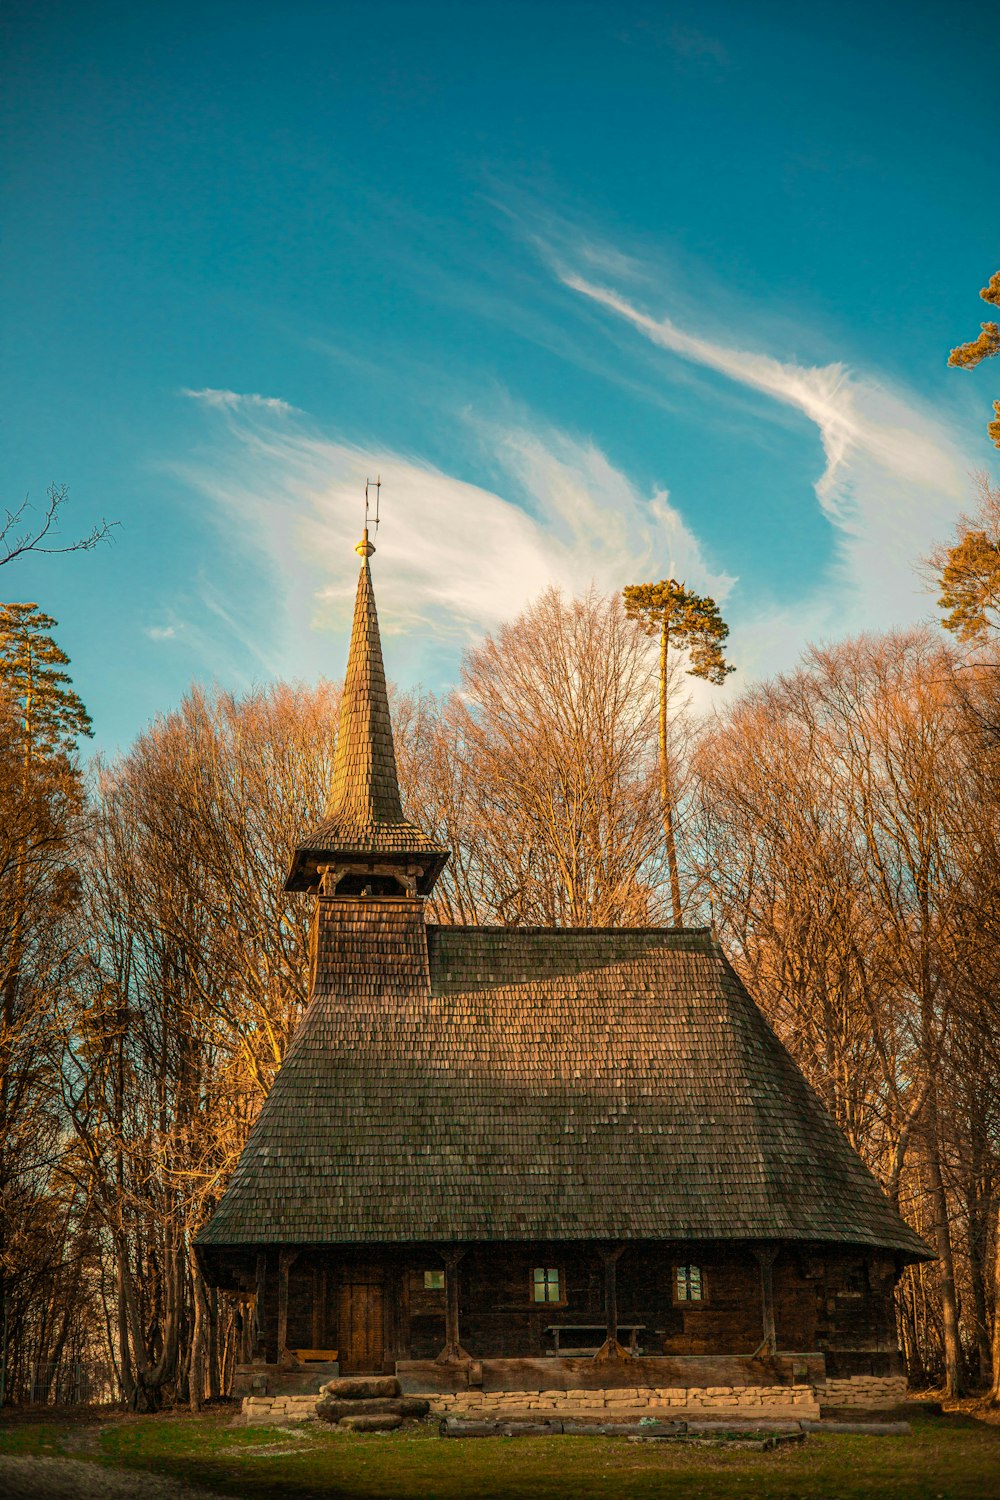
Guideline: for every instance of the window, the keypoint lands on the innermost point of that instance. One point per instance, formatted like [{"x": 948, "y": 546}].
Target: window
[
  {"x": 688, "y": 1284},
  {"x": 433, "y": 1281},
  {"x": 545, "y": 1284}
]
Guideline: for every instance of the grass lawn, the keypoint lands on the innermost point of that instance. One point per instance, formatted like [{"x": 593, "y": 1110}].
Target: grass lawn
[{"x": 949, "y": 1457}]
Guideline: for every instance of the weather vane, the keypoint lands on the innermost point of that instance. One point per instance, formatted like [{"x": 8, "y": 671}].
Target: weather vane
[
  {"x": 365, "y": 548},
  {"x": 376, "y": 485}
]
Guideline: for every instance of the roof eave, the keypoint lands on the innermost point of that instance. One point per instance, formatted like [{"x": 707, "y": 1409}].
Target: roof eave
[{"x": 303, "y": 874}]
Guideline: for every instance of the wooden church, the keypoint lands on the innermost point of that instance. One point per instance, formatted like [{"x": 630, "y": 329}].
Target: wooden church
[{"x": 530, "y": 1157}]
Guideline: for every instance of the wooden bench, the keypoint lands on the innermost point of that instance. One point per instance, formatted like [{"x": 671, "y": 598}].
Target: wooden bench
[
  {"x": 315, "y": 1356},
  {"x": 557, "y": 1329}
]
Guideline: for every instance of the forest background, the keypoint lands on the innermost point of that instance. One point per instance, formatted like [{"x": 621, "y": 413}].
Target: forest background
[{"x": 838, "y": 825}]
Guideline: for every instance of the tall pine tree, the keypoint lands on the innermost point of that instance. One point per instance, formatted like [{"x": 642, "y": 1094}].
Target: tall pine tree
[
  {"x": 41, "y": 796},
  {"x": 689, "y": 623}
]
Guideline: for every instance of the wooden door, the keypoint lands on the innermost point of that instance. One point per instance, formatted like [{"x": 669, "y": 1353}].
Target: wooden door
[{"x": 361, "y": 1331}]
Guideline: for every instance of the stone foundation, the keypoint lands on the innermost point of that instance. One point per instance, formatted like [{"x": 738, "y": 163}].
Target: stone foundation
[
  {"x": 863, "y": 1392},
  {"x": 277, "y": 1411},
  {"x": 796, "y": 1401},
  {"x": 873, "y": 1392}
]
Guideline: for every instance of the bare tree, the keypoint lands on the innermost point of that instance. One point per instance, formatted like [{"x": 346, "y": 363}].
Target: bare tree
[
  {"x": 38, "y": 536},
  {"x": 847, "y": 831},
  {"x": 544, "y": 780},
  {"x": 199, "y": 969}
]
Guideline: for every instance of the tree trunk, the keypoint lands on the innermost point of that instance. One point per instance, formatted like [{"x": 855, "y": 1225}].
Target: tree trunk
[
  {"x": 951, "y": 1347},
  {"x": 666, "y": 786},
  {"x": 995, "y": 1389},
  {"x": 978, "y": 1244},
  {"x": 124, "y": 1349},
  {"x": 150, "y": 1378},
  {"x": 215, "y": 1360},
  {"x": 55, "y": 1358},
  {"x": 199, "y": 1337}
]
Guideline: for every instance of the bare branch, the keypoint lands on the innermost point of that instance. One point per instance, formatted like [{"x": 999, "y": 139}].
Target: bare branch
[{"x": 15, "y": 542}]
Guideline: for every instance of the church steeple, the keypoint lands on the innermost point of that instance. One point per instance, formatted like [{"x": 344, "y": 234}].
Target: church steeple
[
  {"x": 364, "y": 845},
  {"x": 365, "y": 785}
]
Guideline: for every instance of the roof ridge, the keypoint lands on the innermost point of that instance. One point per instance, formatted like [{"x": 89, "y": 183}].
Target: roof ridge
[{"x": 526, "y": 931}]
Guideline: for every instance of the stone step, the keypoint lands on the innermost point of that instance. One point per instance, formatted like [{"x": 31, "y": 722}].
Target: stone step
[
  {"x": 538, "y": 1411},
  {"x": 458, "y": 1427},
  {"x": 367, "y": 1387},
  {"x": 384, "y": 1423},
  {"x": 331, "y": 1410}
]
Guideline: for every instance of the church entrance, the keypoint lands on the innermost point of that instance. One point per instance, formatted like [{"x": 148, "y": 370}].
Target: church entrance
[{"x": 361, "y": 1323}]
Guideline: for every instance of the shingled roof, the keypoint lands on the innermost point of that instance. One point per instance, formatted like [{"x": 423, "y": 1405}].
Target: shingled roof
[
  {"x": 452, "y": 1084},
  {"x": 364, "y": 814},
  {"x": 470, "y": 1083}
]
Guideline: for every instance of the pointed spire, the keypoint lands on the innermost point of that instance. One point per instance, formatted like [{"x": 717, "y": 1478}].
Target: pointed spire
[
  {"x": 364, "y": 824},
  {"x": 365, "y": 785}
]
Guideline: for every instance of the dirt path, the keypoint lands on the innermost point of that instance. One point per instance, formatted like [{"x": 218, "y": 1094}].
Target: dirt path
[{"x": 71, "y": 1479}]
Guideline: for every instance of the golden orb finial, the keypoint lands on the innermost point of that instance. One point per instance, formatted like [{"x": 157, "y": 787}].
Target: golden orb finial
[{"x": 365, "y": 548}]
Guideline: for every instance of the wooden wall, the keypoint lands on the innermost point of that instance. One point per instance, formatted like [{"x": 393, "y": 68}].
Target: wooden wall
[{"x": 825, "y": 1299}]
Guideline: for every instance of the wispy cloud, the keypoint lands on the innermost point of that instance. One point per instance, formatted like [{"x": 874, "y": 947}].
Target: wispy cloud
[
  {"x": 457, "y": 556},
  {"x": 236, "y": 401},
  {"x": 161, "y": 632},
  {"x": 854, "y": 416},
  {"x": 454, "y": 558},
  {"x": 893, "y": 476}
]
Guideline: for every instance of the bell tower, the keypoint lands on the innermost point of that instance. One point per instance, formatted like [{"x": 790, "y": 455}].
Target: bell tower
[{"x": 365, "y": 846}]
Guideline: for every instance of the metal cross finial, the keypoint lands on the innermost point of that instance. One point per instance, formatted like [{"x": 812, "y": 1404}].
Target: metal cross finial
[
  {"x": 376, "y": 485},
  {"x": 365, "y": 548}
]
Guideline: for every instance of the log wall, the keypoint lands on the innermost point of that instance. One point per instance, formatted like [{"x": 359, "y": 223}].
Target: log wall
[{"x": 824, "y": 1299}]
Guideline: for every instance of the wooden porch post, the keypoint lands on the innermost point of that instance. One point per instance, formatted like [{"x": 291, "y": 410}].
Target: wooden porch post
[
  {"x": 319, "y": 1307},
  {"x": 286, "y": 1259},
  {"x": 257, "y": 1321},
  {"x": 611, "y": 1348},
  {"x": 452, "y": 1351},
  {"x": 766, "y": 1255}
]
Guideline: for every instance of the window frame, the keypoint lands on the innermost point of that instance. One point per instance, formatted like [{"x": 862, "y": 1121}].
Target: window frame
[
  {"x": 560, "y": 1283},
  {"x": 444, "y": 1281},
  {"x": 688, "y": 1265}
]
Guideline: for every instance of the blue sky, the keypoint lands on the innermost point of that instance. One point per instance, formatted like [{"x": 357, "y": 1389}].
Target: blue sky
[{"x": 604, "y": 292}]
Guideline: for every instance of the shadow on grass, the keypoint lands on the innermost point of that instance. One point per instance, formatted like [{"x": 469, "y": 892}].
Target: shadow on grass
[{"x": 950, "y": 1456}]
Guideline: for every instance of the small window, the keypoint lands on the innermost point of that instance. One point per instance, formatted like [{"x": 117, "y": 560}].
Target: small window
[
  {"x": 433, "y": 1281},
  {"x": 688, "y": 1284},
  {"x": 545, "y": 1284}
]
